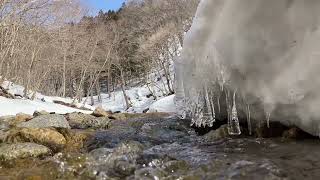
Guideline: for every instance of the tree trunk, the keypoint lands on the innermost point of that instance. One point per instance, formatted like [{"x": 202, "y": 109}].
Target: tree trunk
[{"x": 123, "y": 88}]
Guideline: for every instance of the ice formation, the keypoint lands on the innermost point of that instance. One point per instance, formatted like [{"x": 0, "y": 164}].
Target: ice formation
[{"x": 255, "y": 59}]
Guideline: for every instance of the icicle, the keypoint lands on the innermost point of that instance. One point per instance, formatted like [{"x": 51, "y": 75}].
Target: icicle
[
  {"x": 210, "y": 123},
  {"x": 249, "y": 119},
  {"x": 208, "y": 114},
  {"x": 180, "y": 100},
  {"x": 228, "y": 107},
  {"x": 218, "y": 101},
  {"x": 268, "y": 114},
  {"x": 196, "y": 115},
  {"x": 234, "y": 126},
  {"x": 202, "y": 113},
  {"x": 193, "y": 109}
]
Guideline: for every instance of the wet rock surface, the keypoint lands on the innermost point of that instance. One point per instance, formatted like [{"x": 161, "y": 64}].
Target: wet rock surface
[{"x": 156, "y": 147}]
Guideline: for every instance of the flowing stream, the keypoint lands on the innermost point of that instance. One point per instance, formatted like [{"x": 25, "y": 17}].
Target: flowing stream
[{"x": 168, "y": 148}]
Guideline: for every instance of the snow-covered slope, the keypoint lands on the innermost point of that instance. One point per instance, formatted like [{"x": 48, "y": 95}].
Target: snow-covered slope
[
  {"x": 15, "y": 106},
  {"x": 40, "y": 102},
  {"x": 141, "y": 98}
]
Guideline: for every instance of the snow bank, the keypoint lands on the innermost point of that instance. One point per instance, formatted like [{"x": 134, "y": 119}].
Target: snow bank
[{"x": 164, "y": 105}]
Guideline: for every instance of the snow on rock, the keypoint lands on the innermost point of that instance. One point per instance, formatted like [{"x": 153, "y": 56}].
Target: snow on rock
[{"x": 164, "y": 105}]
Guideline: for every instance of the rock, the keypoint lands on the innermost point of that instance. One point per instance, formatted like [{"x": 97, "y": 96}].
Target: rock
[
  {"x": 100, "y": 112},
  {"x": 217, "y": 134},
  {"x": 5, "y": 122},
  {"x": 85, "y": 121},
  {"x": 275, "y": 129},
  {"x": 47, "y": 121},
  {"x": 162, "y": 169},
  {"x": 120, "y": 161},
  {"x": 296, "y": 133},
  {"x": 77, "y": 120},
  {"x": 22, "y": 150},
  {"x": 20, "y": 118},
  {"x": 118, "y": 116},
  {"x": 2, "y": 136},
  {"x": 39, "y": 113},
  {"x": 7, "y": 119},
  {"x": 34, "y": 177},
  {"x": 45, "y": 136},
  {"x": 76, "y": 139},
  {"x": 150, "y": 173},
  {"x": 14, "y": 120},
  {"x": 4, "y": 126},
  {"x": 148, "y": 132}
]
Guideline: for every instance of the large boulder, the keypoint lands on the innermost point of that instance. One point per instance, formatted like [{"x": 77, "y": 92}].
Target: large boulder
[
  {"x": 22, "y": 150},
  {"x": 85, "y": 121},
  {"x": 46, "y": 121},
  {"x": 45, "y": 136}
]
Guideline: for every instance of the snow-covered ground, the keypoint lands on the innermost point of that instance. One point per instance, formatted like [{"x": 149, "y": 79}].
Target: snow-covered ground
[
  {"x": 40, "y": 102},
  {"x": 15, "y": 106},
  {"x": 144, "y": 98},
  {"x": 140, "y": 96},
  {"x": 164, "y": 105},
  {"x": 140, "y": 100}
]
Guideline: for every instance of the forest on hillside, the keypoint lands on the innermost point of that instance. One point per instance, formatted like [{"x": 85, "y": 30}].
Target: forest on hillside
[{"x": 56, "y": 48}]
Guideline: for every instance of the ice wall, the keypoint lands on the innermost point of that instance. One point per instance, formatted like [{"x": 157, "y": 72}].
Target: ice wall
[{"x": 255, "y": 56}]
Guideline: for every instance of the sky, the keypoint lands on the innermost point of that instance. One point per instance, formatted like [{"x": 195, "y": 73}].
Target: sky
[{"x": 105, "y": 5}]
